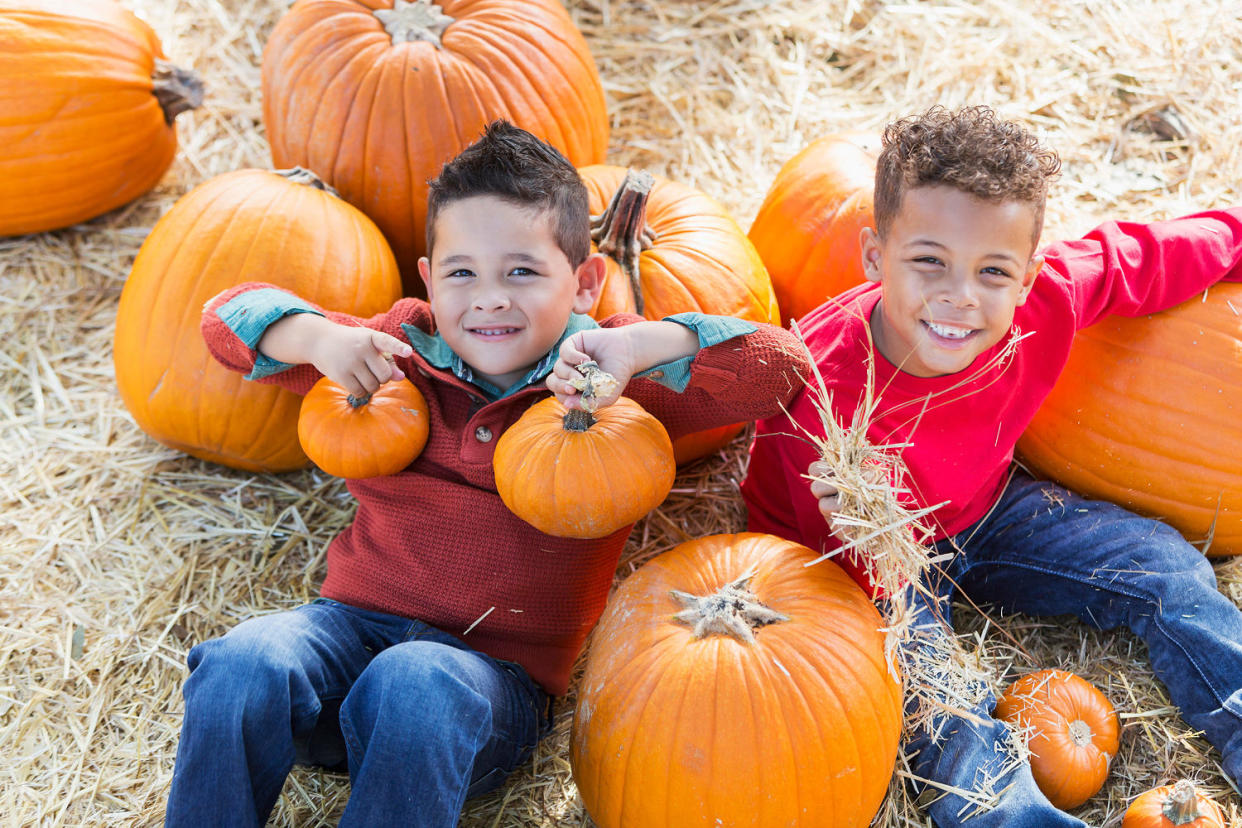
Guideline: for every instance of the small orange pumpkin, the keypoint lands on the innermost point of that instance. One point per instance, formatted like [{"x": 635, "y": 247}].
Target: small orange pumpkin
[
  {"x": 1148, "y": 414},
  {"x": 670, "y": 248},
  {"x": 807, "y": 229},
  {"x": 1173, "y": 806},
  {"x": 574, "y": 474},
  {"x": 283, "y": 227},
  {"x": 728, "y": 683},
  {"x": 376, "y": 95},
  {"x": 1073, "y": 733},
  {"x": 88, "y": 103},
  {"x": 354, "y": 437}
]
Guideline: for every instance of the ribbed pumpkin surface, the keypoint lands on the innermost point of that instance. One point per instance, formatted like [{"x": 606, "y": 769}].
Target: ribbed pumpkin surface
[
  {"x": 583, "y": 484},
  {"x": 799, "y": 727},
  {"x": 807, "y": 228},
  {"x": 700, "y": 260},
  {"x": 1148, "y": 414},
  {"x": 250, "y": 225},
  {"x": 81, "y": 131},
  {"x": 1073, "y": 733},
  {"x": 377, "y": 119},
  {"x": 357, "y": 438}
]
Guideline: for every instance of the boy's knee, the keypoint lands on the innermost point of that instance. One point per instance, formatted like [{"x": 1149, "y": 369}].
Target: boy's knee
[
  {"x": 427, "y": 683},
  {"x": 243, "y": 674}
]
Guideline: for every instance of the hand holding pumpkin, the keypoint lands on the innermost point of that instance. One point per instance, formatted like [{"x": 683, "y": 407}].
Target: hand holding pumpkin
[
  {"x": 359, "y": 359},
  {"x": 621, "y": 352}
]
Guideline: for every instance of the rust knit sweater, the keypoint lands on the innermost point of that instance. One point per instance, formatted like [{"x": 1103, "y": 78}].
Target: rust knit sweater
[{"x": 435, "y": 542}]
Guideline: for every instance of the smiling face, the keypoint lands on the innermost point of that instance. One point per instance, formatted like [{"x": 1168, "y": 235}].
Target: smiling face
[
  {"x": 500, "y": 288},
  {"x": 953, "y": 268}
]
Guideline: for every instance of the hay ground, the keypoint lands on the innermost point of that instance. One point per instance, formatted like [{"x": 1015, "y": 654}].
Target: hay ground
[{"x": 117, "y": 554}]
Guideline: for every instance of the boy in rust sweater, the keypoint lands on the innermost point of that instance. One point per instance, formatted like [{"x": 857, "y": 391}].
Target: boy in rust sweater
[{"x": 445, "y": 623}]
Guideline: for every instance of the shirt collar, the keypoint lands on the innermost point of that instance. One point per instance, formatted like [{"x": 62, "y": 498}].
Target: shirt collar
[{"x": 438, "y": 354}]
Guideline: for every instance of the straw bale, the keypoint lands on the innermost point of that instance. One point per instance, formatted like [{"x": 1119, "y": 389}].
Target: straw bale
[{"x": 117, "y": 554}]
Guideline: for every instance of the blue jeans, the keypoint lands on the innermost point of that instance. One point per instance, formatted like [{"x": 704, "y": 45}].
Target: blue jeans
[
  {"x": 1045, "y": 551},
  {"x": 421, "y": 721}
]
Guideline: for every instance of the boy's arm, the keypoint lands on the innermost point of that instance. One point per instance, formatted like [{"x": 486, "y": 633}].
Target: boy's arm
[
  {"x": 276, "y": 337},
  {"x": 1131, "y": 269},
  {"x": 734, "y": 371}
]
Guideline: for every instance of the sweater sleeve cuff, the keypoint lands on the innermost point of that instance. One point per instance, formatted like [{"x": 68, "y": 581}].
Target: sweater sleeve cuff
[
  {"x": 711, "y": 330},
  {"x": 248, "y": 315}
]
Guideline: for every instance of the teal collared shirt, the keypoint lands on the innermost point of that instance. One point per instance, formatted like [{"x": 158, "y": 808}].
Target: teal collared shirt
[{"x": 249, "y": 314}]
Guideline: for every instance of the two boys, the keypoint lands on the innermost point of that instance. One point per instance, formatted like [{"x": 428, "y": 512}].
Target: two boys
[
  {"x": 445, "y": 623},
  {"x": 968, "y": 328}
]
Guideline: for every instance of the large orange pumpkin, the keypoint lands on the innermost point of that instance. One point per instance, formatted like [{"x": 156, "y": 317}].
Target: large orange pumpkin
[
  {"x": 87, "y": 104},
  {"x": 356, "y": 437},
  {"x": 729, "y": 684},
  {"x": 376, "y": 98},
  {"x": 807, "y": 229},
  {"x": 281, "y": 228},
  {"x": 1148, "y": 414},
  {"x": 1173, "y": 806},
  {"x": 669, "y": 249},
  {"x": 1073, "y": 733},
  {"x": 575, "y": 474}
]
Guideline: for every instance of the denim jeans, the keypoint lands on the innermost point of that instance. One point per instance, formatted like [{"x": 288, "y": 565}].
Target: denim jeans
[
  {"x": 1045, "y": 551},
  {"x": 420, "y": 720}
]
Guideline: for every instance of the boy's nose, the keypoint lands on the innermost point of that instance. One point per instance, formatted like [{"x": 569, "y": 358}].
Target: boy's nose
[
  {"x": 490, "y": 299},
  {"x": 960, "y": 292}
]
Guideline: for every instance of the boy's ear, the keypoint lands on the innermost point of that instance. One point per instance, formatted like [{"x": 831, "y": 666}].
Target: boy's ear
[
  {"x": 424, "y": 270},
  {"x": 1028, "y": 278},
  {"x": 590, "y": 276},
  {"x": 869, "y": 241}
]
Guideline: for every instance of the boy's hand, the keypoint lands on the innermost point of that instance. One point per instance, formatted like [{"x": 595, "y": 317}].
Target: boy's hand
[
  {"x": 610, "y": 348},
  {"x": 622, "y": 352},
  {"x": 359, "y": 359},
  {"x": 827, "y": 495}
]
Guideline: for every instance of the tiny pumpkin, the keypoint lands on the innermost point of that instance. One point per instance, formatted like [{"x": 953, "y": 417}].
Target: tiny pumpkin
[
  {"x": 1073, "y": 733},
  {"x": 729, "y": 683},
  {"x": 356, "y": 437},
  {"x": 807, "y": 230},
  {"x": 1173, "y": 806},
  {"x": 577, "y": 474}
]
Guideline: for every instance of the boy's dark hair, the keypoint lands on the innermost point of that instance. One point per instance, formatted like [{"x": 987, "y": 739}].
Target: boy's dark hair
[
  {"x": 969, "y": 150},
  {"x": 510, "y": 163}
]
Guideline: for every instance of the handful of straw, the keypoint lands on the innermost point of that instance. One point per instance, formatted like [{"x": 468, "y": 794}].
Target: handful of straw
[{"x": 942, "y": 676}]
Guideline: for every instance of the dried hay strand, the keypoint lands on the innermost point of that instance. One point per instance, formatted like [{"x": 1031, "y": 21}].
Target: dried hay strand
[{"x": 117, "y": 554}]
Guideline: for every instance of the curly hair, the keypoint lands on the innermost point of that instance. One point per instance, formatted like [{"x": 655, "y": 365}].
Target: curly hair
[
  {"x": 513, "y": 165},
  {"x": 969, "y": 150}
]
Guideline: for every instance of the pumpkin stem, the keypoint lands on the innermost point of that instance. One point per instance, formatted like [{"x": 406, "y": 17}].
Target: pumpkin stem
[
  {"x": 593, "y": 384},
  {"x": 1181, "y": 807},
  {"x": 578, "y": 419},
  {"x": 358, "y": 402},
  {"x": 409, "y": 22},
  {"x": 178, "y": 90},
  {"x": 733, "y": 610},
  {"x": 622, "y": 232},
  {"x": 1080, "y": 733},
  {"x": 301, "y": 175}
]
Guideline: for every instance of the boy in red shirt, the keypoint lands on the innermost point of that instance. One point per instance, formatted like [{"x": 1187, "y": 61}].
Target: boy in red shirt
[
  {"x": 969, "y": 327},
  {"x": 445, "y": 623}
]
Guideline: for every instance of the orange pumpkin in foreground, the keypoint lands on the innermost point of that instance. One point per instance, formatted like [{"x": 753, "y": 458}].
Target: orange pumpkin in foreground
[
  {"x": 729, "y": 684},
  {"x": 1073, "y": 733},
  {"x": 87, "y": 104},
  {"x": 670, "y": 248},
  {"x": 1173, "y": 806},
  {"x": 281, "y": 228},
  {"x": 1148, "y": 414},
  {"x": 574, "y": 474},
  {"x": 807, "y": 229},
  {"x": 356, "y": 437},
  {"x": 376, "y": 96}
]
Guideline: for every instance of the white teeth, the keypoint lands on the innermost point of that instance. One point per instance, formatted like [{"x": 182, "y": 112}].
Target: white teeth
[
  {"x": 494, "y": 331},
  {"x": 949, "y": 332}
]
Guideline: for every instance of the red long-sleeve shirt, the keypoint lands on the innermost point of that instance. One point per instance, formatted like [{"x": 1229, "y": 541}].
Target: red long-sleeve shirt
[
  {"x": 962, "y": 428},
  {"x": 435, "y": 542}
]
